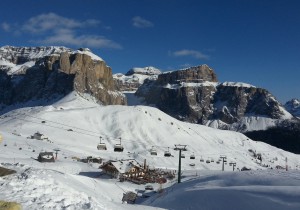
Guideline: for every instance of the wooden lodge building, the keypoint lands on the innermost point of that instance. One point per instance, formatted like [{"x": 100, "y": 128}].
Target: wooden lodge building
[{"x": 123, "y": 169}]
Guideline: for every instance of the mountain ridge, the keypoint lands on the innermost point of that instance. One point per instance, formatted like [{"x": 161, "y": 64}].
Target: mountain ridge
[
  {"x": 54, "y": 72},
  {"x": 195, "y": 95}
]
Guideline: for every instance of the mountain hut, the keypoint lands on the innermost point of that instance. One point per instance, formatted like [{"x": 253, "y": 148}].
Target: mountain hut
[{"x": 129, "y": 168}]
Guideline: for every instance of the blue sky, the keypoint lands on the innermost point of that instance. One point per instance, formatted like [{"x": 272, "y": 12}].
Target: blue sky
[{"x": 252, "y": 41}]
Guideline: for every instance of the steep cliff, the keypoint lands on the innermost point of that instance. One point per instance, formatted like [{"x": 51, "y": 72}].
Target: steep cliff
[
  {"x": 194, "y": 95},
  {"x": 52, "y": 72}
]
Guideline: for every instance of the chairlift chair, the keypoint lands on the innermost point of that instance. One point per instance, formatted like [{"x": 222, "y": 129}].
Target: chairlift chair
[
  {"x": 153, "y": 151},
  {"x": 118, "y": 147},
  {"x": 101, "y": 146},
  {"x": 182, "y": 155},
  {"x": 192, "y": 156},
  {"x": 167, "y": 153},
  {"x": 201, "y": 159}
]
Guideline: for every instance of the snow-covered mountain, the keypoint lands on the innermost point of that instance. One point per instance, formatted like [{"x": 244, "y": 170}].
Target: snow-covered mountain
[
  {"x": 45, "y": 73},
  {"x": 16, "y": 60},
  {"x": 73, "y": 123},
  {"x": 74, "y": 126},
  {"x": 148, "y": 70},
  {"x": 135, "y": 77},
  {"x": 195, "y": 95},
  {"x": 293, "y": 106}
]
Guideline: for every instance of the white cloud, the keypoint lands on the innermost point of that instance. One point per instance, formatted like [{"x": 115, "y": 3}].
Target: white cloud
[
  {"x": 5, "y": 26},
  {"x": 68, "y": 37},
  {"x": 193, "y": 53},
  {"x": 52, "y": 21},
  {"x": 53, "y": 29},
  {"x": 141, "y": 22}
]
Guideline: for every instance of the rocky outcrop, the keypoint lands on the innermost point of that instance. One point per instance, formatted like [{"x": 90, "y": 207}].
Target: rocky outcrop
[
  {"x": 193, "y": 74},
  {"x": 55, "y": 75},
  {"x": 194, "y": 95},
  {"x": 135, "y": 77},
  {"x": 293, "y": 106},
  {"x": 21, "y": 55}
]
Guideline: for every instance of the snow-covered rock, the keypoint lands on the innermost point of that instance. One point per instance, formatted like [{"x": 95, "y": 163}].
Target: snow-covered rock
[
  {"x": 148, "y": 70},
  {"x": 195, "y": 95},
  {"x": 135, "y": 77},
  {"x": 293, "y": 106},
  {"x": 45, "y": 73}
]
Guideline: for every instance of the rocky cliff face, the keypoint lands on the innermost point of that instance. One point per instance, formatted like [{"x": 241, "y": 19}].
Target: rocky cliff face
[
  {"x": 135, "y": 77},
  {"x": 21, "y": 55},
  {"x": 293, "y": 106},
  {"x": 54, "y": 72},
  {"x": 194, "y": 95}
]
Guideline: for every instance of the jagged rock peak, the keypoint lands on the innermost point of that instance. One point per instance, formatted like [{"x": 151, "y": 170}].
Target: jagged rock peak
[
  {"x": 293, "y": 106},
  {"x": 148, "y": 70},
  {"x": 20, "y": 55},
  {"x": 135, "y": 77},
  {"x": 196, "y": 74},
  {"x": 45, "y": 72},
  {"x": 294, "y": 103},
  {"x": 88, "y": 52}
]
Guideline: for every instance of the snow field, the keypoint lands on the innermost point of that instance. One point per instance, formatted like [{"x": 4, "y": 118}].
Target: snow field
[{"x": 74, "y": 125}]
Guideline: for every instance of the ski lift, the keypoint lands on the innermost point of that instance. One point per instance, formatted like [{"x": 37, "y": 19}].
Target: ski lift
[
  {"x": 101, "y": 146},
  {"x": 201, "y": 159},
  {"x": 118, "y": 147},
  {"x": 207, "y": 161},
  {"x": 153, "y": 151},
  {"x": 192, "y": 156},
  {"x": 167, "y": 153}
]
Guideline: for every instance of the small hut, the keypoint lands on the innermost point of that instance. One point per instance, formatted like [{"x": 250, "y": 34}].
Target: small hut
[
  {"x": 46, "y": 157},
  {"x": 39, "y": 136}
]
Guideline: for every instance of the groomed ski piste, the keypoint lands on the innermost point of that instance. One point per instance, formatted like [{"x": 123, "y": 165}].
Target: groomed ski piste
[{"x": 74, "y": 124}]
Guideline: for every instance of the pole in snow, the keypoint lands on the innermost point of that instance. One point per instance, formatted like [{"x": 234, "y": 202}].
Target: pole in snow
[
  {"x": 180, "y": 148},
  {"x": 233, "y": 164},
  {"x": 223, "y": 157}
]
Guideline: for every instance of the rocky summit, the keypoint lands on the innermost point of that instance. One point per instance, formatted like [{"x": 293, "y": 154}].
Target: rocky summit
[
  {"x": 135, "y": 77},
  {"x": 293, "y": 106},
  {"x": 39, "y": 73},
  {"x": 195, "y": 95}
]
